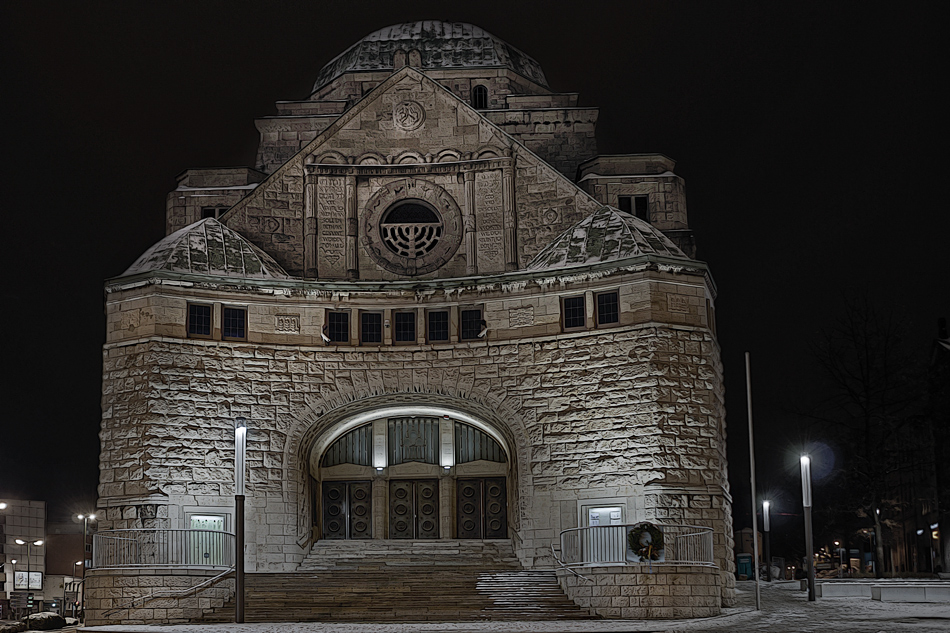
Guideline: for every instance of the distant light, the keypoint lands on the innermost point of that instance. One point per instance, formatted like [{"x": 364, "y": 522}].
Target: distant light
[
  {"x": 20, "y": 541},
  {"x": 934, "y": 526},
  {"x": 919, "y": 532},
  {"x": 13, "y": 562},
  {"x": 379, "y": 469},
  {"x": 78, "y": 562},
  {"x": 3, "y": 506},
  {"x": 40, "y": 542},
  {"x": 447, "y": 467}
]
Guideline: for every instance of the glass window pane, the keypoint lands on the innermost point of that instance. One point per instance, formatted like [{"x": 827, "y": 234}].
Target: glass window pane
[
  {"x": 338, "y": 326},
  {"x": 608, "y": 308},
  {"x": 439, "y": 326},
  {"x": 371, "y": 327},
  {"x": 232, "y": 322},
  {"x": 574, "y": 312},
  {"x": 199, "y": 320},
  {"x": 471, "y": 324},
  {"x": 405, "y": 327}
]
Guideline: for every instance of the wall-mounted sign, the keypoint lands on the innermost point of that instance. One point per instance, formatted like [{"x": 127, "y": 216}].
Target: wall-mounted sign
[{"x": 36, "y": 580}]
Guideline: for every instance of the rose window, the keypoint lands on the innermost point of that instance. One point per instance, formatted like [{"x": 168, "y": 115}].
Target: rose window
[{"x": 411, "y": 228}]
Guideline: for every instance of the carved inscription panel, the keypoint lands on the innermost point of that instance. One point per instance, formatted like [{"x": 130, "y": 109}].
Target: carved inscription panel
[
  {"x": 677, "y": 303},
  {"x": 489, "y": 222},
  {"x": 521, "y": 317},
  {"x": 287, "y": 324},
  {"x": 331, "y": 227}
]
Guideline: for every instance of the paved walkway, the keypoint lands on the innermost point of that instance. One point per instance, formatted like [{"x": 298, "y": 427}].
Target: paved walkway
[{"x": 785, "y": 609}]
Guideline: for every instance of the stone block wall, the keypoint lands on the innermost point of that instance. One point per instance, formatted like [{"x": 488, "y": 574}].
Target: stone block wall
[
  {"x": 152, "y": 596},
  {"x": 563, "y": 137},
  {"x": 641, "y": 592}
]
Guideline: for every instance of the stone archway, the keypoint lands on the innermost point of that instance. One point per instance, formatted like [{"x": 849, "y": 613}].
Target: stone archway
[{"x": 494, "y": 422}]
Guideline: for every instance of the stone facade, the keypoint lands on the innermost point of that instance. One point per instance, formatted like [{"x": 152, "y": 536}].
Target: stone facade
[{"x": 414, "y": 256}]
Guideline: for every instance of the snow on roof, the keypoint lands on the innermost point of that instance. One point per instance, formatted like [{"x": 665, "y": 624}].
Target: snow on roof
[
  {"x": 606, "y": 235},
  {"x": 208, "y": 247}
]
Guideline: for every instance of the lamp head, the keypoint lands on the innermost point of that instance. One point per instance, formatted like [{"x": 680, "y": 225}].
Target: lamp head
[
  {"x": 19, "y": 541},
  {"x": 3, "y": 505},
  {"x": 240, "y": 423}
]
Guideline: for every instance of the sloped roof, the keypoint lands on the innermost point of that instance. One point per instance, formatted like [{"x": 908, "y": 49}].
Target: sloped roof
[
  {"x": 606, "y": 235},
  {"x": 440, "y": 44},
  {"x": 208, "y": 247}
]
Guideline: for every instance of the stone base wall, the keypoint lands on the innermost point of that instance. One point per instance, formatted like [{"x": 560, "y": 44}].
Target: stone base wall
[
  {"x": 157, "y": 594},
  {"x": 635, "y": 592}
]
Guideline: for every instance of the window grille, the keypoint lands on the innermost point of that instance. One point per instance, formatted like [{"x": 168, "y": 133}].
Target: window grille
[
  {"x": 574, "y": 313},
  {"x": 471, "y": 324},
  {"x": 608, "y": 308},
  {"x": 439, "y": 325},
  {"x": 234, "y": 323},
  {"x": 199, "y": 319},
  {"x": 338, "y": 327}
]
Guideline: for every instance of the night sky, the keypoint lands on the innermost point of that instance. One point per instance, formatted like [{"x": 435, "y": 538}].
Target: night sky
[{"x": 807, "y": 133}]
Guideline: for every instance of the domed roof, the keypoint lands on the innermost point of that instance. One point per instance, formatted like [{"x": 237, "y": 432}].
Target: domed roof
[
  {"x": 606, "y": 235},
  {"x": 441, "y": 45},
  {"x": 208, "y": 248}
]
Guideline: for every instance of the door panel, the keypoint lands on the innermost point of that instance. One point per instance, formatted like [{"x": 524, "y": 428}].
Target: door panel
[
  {"x": 414, "y": 508},
  {"x": 482, "y": 508},
  {"x": 347, "y": 509}
]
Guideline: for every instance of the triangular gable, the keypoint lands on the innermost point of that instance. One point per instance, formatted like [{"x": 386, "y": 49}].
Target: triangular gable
[{"x": 272, "y": 215}]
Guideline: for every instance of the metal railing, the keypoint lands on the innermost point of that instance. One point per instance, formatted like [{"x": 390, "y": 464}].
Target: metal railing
[
  {"x": 163, "y": 548},
  {"x": 607, "y": 545}
]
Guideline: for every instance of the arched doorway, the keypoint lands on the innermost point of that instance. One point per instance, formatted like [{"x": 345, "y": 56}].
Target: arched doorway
[{"x": 411, "y": 473}]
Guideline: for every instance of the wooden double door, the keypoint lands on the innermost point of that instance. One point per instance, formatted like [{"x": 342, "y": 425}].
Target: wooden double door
[
  {"x": 482, "y": 505},
  {"x": 347, "y": 509},
  {"x": 414, "y": 508}
]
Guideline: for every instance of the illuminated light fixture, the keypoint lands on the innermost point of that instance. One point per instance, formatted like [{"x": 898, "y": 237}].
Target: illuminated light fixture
[
  {"x": 919, "y": 532},
  {"x": 78, "y": 562},
  {"x": 3, "y": 505},
  {"x": 379, "y": 469}
]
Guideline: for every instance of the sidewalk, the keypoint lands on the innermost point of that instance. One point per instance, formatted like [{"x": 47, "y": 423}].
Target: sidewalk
[{"x": 785, "y": 609}]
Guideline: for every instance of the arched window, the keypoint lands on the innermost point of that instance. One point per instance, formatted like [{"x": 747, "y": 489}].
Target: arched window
[{"x": 480, "y": 98}]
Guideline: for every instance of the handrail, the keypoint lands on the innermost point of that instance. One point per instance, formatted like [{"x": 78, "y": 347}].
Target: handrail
[
  {"x": 161, "y": 547},
  {"x": 557, "y": 560},
  {"x": 169, "y": 593},
  {"x": 607, "y": 545}
]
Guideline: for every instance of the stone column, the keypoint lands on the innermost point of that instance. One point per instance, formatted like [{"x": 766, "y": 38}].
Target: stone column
[
  {"x": 511, "y": 217},
  {"x": 352, "y": 229},
  {"x": 468, "y": 223},
  {"x": 310, "y": 266}
]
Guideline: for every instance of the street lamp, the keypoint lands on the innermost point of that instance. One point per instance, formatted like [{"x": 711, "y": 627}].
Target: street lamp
[
  {"x": 766, "y": 505},
  {"x": 86, "y": 518},
  {"x": 240, "y": 450},
  {"x": 809, "y": 545},
  {"x": 29, "y": 553}
]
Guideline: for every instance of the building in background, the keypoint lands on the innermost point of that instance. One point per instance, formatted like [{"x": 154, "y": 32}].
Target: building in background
[
  {"x": 24, "y": 566},
  {"x": 443, "y": 315}
]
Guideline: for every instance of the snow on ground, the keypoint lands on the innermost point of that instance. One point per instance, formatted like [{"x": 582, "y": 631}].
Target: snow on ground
[{"x": 785, "y": 609}]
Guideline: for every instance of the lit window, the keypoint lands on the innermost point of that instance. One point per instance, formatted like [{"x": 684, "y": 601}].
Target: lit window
[
  {"x": 234, "y": 323},
  {"x": 471, "y": 322},
  {"x": 371, "y": 327},
  {"x": 405, "y": 327},
  {"x": 480, "y": 98},
  {"x": 608, "y": 308},
  {"x": 573, "y": 310},
  {"x": 438, "y": 325},
  {"x": 338, "y": 327},
  {"x": 199, "y": 319}
]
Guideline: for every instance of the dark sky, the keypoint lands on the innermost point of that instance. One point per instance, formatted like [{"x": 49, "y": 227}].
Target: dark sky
[{"x": 807, "y": 132}]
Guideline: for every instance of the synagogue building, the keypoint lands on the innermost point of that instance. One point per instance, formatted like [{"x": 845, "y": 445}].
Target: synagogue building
[{"x": 446, "y": 320}]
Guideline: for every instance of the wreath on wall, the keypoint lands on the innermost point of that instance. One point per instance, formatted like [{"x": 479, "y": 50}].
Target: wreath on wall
[{"x": 646, "y": 541}]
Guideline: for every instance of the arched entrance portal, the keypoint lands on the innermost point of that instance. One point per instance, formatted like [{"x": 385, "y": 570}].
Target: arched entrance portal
[{"x": 411, "y": 473}]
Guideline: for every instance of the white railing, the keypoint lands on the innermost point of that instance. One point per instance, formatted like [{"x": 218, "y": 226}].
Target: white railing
[
  {"x": 163, "y": 548},
  {"x": 607, "y": 545}
]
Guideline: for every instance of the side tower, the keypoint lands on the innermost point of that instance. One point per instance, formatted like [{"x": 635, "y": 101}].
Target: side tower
[{"x": 433, "y": 332}]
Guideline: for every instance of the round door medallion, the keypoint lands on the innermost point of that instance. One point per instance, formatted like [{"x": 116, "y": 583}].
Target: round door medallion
[{"x": 408, "y": 115}]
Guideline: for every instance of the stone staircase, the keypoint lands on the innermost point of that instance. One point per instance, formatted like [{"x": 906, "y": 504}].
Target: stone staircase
[{"x": 405, "y": 581}]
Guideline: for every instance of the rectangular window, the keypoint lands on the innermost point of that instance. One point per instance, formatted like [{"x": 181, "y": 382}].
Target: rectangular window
[
  {"x": 625, "y": 203},
  {"x": 199, "y": 319},
  {"x": 371, "y": 327},
  {"x": 471, "y": 324},
  {"x": 641, "y": 207},
  {"x": 338, "y": 327},
  {"x": 438, "y": 325},
  {"x": 208, "y": 212},
  {"x": 404, "y": 327},
  {"x": 233, "y": 323},
  {"x": 573, "y": 310},
  {"x": 608, "y": 308}
]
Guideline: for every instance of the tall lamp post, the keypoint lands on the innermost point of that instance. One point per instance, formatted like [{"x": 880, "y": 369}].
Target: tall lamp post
[
  {"x": 240, "y": 449},
  {"x": 766, "y": 505},
  {"x": 86, "y": 518},
  {"x": 809, "y": 545},
  {"x": 29, "y": 553}
]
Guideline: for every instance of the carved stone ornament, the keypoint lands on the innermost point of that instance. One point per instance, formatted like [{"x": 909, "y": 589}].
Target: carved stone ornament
[
  {"x": 408, "y": 115},
  {"x": 411, "y": 227}
]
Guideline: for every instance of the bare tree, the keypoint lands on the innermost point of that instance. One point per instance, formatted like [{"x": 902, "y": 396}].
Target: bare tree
[{"x": 870, "y": 392}]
